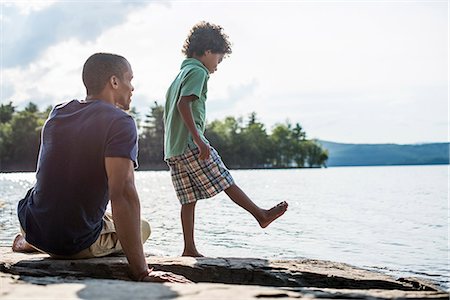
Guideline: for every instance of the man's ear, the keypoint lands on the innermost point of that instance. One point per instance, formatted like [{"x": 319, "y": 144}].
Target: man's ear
[{"x": 114, "y": 81}]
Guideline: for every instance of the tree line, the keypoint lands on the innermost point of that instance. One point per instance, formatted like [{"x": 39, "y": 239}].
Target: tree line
[{"x": 242, "y": 143}]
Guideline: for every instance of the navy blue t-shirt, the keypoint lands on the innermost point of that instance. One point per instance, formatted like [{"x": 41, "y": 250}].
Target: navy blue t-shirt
[{"x": 62, "y": 214}]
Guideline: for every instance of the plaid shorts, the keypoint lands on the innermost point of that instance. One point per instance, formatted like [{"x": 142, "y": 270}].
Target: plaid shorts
[{"x": 195, "y": 179}]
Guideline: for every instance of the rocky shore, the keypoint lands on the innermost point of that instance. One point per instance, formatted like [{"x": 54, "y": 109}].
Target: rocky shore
[{"x": 36, "y": 276}]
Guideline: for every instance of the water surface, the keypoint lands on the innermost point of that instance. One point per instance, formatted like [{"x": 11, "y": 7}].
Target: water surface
[{"x": 393, "y": 219}]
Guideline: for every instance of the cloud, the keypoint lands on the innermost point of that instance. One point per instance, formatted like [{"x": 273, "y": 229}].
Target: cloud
[
  {"x": 399, "y": 115},
  {"x": 224, "y": 106},
  {"x": 351, "y": 73},
  {"x": 27, "y": 35}
]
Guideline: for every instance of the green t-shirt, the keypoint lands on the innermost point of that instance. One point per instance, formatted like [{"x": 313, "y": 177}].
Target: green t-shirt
[{"x": 192, "y": 80}]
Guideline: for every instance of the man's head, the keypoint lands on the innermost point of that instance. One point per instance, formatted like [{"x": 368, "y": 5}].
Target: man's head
[
  {"x": 109, "y": 75},
  {"x": 208, "y": 43}
]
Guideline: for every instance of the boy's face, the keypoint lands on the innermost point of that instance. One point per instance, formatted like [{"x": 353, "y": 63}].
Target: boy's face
[{"x": 211, "y": 60}]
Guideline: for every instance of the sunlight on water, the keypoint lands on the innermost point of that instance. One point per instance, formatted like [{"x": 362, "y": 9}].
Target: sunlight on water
[{"x": 392, "y": 219}]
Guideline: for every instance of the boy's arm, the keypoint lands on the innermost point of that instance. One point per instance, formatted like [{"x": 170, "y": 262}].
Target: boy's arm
[{"x": 184, "y": 108}]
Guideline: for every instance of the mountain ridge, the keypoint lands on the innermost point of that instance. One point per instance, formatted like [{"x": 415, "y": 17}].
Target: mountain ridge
[{"x": 348, "y": 154}]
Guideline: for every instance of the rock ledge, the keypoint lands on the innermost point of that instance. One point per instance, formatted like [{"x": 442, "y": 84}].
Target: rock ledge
[{"x": 222, "y": 278}]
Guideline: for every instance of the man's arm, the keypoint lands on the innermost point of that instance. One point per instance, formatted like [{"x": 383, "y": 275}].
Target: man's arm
[
  {"x": 127, "y": 219},
  {"x": 184, "y": 108},
  {"x": 126, "y": 211}
]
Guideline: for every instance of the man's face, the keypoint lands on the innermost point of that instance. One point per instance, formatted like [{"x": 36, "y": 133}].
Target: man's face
[
  {"x": 212, "y": 60},
  {"x": 125, "y": 90}
]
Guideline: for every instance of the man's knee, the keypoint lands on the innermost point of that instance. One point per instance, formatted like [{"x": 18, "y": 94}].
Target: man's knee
[{"x": 145, "y": 230}]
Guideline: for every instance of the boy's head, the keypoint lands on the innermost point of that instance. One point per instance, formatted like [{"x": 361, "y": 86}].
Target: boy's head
[{"x": 208, "y": 43}]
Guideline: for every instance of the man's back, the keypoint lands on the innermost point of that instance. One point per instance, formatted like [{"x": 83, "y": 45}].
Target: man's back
[{"x": 63, "y": 213}]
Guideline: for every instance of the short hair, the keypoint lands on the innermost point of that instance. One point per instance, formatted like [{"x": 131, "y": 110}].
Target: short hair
[
  {"x": 99, "y": 68},
  {"x": 205, "y": 36}
]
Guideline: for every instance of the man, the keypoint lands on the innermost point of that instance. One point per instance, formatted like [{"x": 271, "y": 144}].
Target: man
[{"x": 87, "y": 156}]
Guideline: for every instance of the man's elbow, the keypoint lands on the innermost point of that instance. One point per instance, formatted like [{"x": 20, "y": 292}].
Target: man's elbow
[{"x": 123, "y": 193}]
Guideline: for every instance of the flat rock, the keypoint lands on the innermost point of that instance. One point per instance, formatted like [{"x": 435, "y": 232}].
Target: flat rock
[{"x": 26, "y": 275}]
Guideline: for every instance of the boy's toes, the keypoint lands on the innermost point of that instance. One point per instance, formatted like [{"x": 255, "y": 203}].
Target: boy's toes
[{"x": 274, "y": 213}]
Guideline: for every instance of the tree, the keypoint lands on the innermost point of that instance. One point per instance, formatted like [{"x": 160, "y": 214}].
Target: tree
[
  {"x": 316, "y": 156},
  {"x": 291, "y": 148},
  {"x": 241, "y": 146},
  {"x": 6, "y": 112},
  {"x": 219, "y": 134},
  {"x": 298, "y": 149},
  {"x": 24, "y": 139},
  {"x": 31, "y": 108},
  {"x": 281, "y": 151},
  {"x": 257, "y": 144},
  {"x": 151, "y": 141},
  {"x": 5, "y": 144}
]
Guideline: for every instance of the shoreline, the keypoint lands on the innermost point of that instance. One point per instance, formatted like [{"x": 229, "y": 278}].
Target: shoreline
[
  {"x": 274, "y": 168},
  {"x": 250, "y": 278}
]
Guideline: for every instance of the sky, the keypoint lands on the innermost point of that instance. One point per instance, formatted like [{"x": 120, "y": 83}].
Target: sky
[{"x": 347, "y": 71}]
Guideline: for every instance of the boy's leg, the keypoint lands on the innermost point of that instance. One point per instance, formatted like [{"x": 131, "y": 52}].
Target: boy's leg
[
  {"x": 187, "y": 193},
  {"x": 187, "y": 222},
  {"x": 263, "y": 216}
]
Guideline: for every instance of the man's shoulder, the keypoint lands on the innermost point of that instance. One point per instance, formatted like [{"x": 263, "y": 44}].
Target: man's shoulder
[
  {"x": 64, "y": 104},
  {"x": 101, "y": 110},
  {"x": 108, "y": 109}
]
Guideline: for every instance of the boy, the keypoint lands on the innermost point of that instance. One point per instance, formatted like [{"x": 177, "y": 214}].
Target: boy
[{"x": 196, "y": 168}]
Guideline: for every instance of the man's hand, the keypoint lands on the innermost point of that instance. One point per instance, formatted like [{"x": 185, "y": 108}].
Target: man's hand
[
  {"x": 160, "y": 276},
  {"x": 204, "y": 149}
]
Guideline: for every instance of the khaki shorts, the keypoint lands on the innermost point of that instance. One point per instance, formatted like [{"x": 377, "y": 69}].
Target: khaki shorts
[{"x": 107, "y": 243}]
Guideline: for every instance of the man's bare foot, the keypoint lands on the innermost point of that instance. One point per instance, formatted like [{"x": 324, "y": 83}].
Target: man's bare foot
[
  {"x": 273, "y": 214},
  {"x": 21, "y": 245},
  {"x": 192, "y": 254}
]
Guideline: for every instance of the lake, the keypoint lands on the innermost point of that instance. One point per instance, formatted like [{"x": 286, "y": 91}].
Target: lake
[{"x": 392, "y": 219}]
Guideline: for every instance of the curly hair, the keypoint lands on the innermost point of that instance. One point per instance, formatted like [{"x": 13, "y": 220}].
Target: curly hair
[{"x": 205, "y": 36}]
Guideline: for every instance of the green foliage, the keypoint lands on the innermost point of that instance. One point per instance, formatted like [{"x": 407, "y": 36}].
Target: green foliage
[
  {"x": 251, "y": 147},
  {"x": 19, "y": 139},
  {"x": 6, "y": 112},
  {"x": 151, "y": 139},
  {"x": 240, "y": 145}
]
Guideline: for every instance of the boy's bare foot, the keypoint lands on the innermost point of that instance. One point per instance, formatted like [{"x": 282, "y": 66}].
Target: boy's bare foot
[
  {"x": 192, "y": 254},
  {"x": 21, "y": 245},
  {"x": 273, "y": 214}
]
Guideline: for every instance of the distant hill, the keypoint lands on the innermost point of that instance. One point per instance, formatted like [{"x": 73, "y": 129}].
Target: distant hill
[{"x": 386, "y": 154}]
